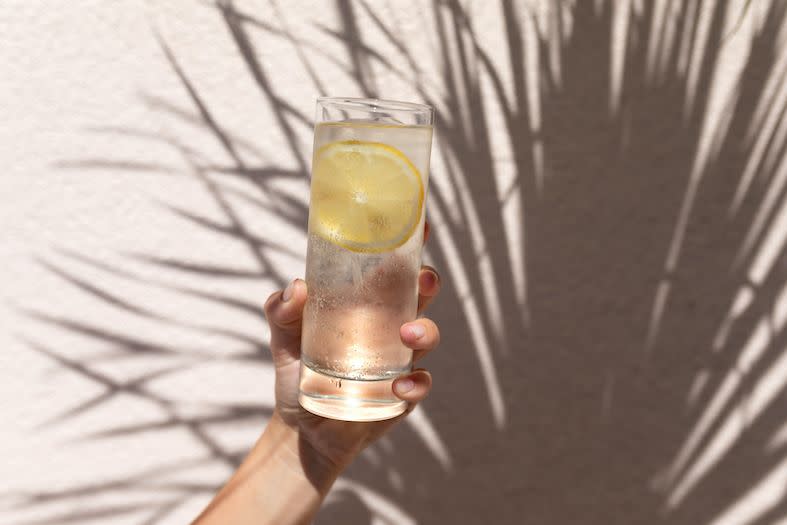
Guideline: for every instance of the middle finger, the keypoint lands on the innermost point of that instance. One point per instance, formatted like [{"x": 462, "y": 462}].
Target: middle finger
[{"x": 422, "y": 335}]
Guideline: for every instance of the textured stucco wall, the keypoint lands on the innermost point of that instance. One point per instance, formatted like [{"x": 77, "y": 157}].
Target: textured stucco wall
[{"x": 609, "y": 215}]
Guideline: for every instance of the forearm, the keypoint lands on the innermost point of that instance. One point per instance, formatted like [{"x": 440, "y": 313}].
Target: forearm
[{"x": 282, "y": 481}]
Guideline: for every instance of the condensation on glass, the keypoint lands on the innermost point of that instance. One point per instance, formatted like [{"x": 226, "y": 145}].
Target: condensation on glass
[{"x": 366, "y": 224}]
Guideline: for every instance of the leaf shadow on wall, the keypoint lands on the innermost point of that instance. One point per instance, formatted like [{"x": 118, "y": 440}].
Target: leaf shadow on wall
[{"x": 617, "y": 355}]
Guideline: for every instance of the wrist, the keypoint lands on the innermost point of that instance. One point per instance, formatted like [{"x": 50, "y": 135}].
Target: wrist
[
  {"x": 278, "y": 471},
  {"x": 299, "y": 455}
]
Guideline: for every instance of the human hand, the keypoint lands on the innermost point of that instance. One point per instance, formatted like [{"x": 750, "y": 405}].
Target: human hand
[{"x": 329, "y": 443}]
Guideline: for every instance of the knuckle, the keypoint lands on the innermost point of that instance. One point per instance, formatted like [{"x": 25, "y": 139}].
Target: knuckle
[
  {"x": 433, "y": 330},
  {"x": 269, "y": 302}
]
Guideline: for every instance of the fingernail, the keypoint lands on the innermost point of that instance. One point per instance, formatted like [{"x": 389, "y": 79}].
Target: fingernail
[
  {"x": 404, "y": 385},
  {"x": 287, "y": 295},
  {"x": 417, "y": 331}
]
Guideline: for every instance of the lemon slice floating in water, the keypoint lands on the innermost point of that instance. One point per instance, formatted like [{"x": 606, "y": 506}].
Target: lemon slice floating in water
[{"x": 365, "y": 196}]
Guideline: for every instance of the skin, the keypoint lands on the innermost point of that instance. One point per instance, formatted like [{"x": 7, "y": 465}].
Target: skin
[{"x": 290, "y": 469}]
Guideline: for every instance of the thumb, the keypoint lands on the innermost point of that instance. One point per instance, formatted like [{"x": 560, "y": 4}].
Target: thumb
[{"x": 284, "y": 312}]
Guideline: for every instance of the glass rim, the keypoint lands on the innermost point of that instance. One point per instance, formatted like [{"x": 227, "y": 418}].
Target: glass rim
[{"x": 376, "y": 104}]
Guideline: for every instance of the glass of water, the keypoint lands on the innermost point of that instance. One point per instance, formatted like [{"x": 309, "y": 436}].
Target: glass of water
[{"x": 366, "y": 224}]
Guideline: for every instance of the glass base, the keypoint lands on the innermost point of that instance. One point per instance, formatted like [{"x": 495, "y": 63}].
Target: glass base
[{"x": 348, "y": 399}]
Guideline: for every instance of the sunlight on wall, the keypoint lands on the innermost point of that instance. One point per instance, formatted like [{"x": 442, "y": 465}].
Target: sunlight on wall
[
  {"x": 472, "y": 315},
  {"x": 754, "y": 401},
  {"x": 620, "y": 36},
  {"x": 385, "y": 511},
  {"x": 163, "y": 194},
  {"x": 715, "y": 122},
  {"x": 761, "y": 498},
  {"x": 427, "y": 432}
]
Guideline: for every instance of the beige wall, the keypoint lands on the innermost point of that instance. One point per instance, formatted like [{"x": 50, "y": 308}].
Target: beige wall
[{"x": 609, "y": 215}]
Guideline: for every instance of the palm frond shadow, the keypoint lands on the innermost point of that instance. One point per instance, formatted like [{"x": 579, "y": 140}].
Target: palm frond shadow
[{"x": 628, "y": 347}]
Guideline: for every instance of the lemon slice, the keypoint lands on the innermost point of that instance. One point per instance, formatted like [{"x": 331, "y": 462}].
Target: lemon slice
[{"x": 365, "y": 196}]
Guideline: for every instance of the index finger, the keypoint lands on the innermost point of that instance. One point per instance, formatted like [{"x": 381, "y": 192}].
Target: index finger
[{"x": 284, "y": 312}]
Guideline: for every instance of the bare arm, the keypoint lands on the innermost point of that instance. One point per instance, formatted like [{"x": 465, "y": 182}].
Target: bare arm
[
  {"x": 292, "y": 466},
  {"x": 282, "y": 481}
]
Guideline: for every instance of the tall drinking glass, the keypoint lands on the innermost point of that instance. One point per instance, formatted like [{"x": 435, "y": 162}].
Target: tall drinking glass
[{"x": 366, "y": 224}]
